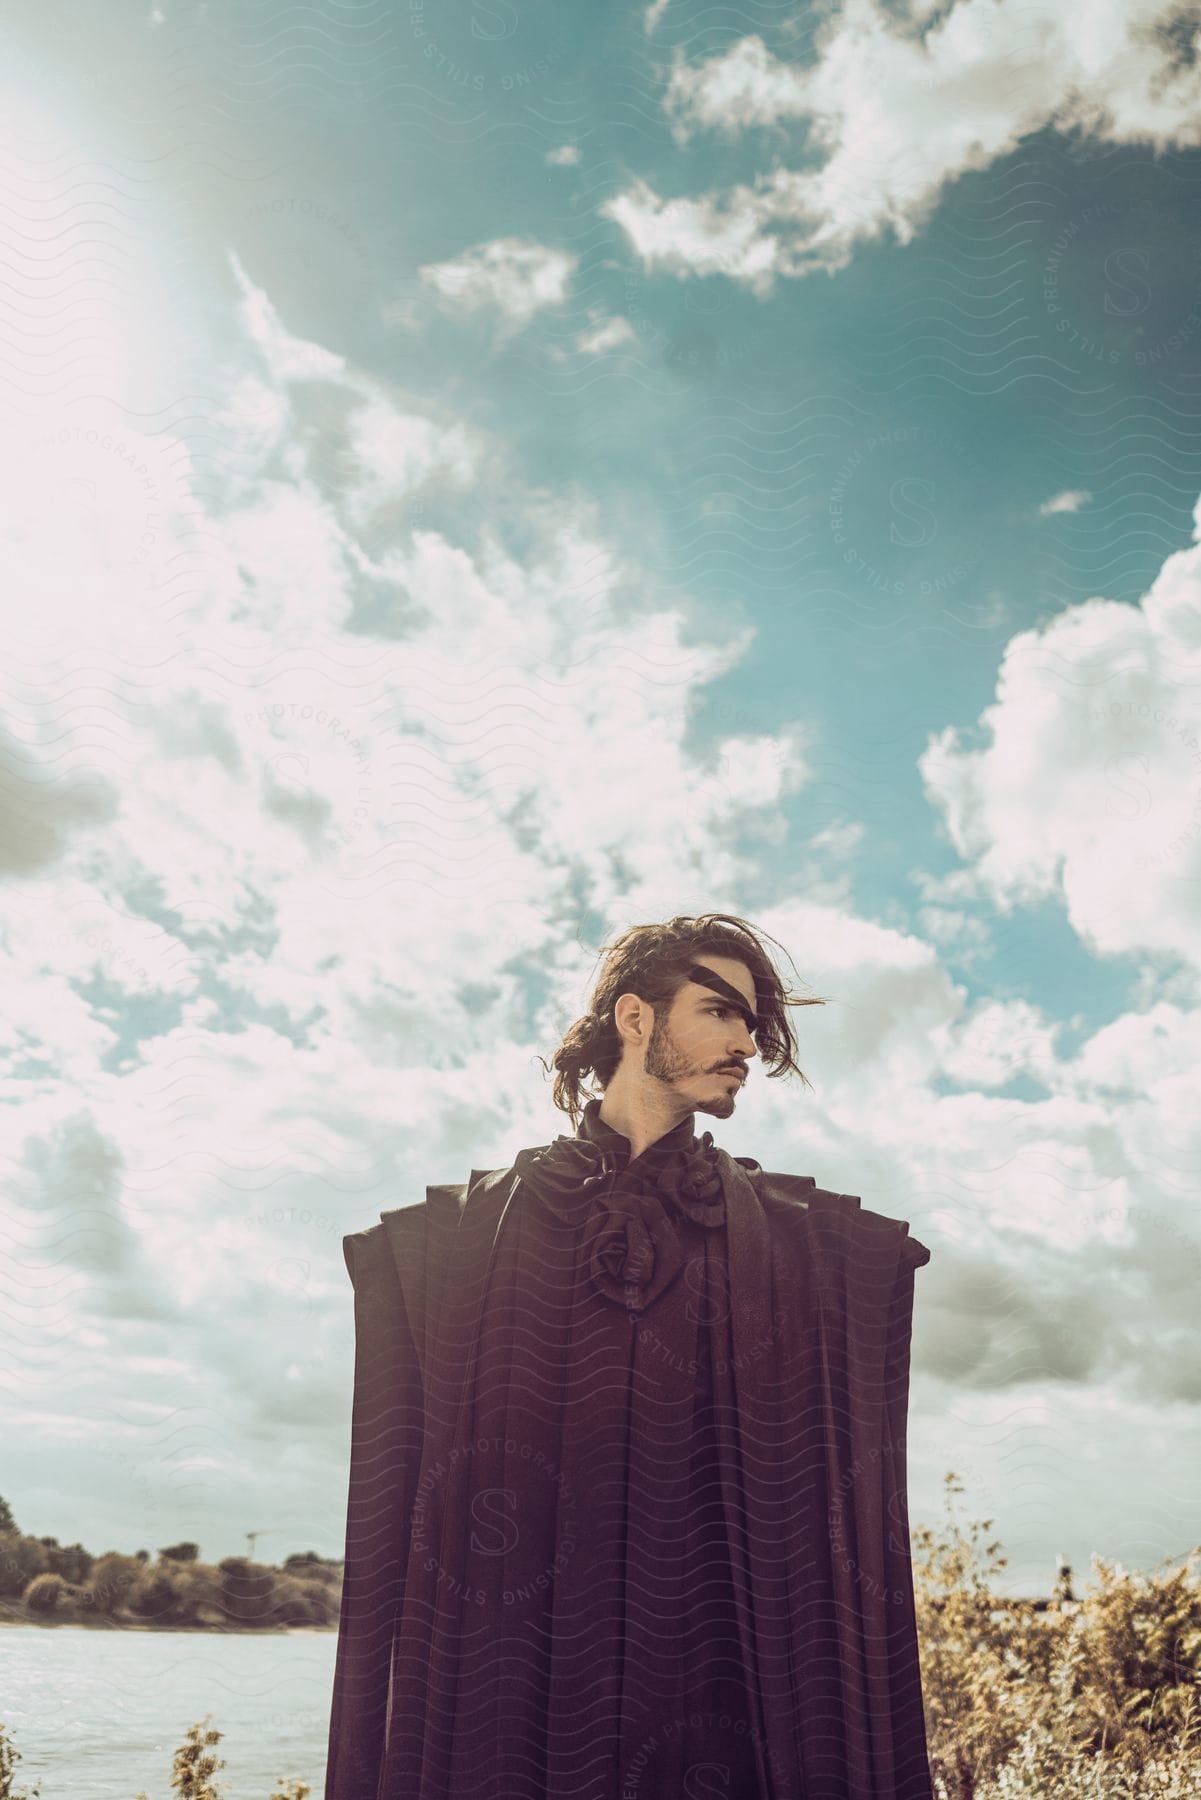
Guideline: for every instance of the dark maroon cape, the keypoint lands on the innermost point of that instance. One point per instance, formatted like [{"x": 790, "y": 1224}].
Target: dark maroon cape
[{"x": 595, "y": 1554}]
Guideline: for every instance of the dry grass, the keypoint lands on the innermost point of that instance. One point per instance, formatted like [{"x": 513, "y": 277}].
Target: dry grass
[{"x": 1100, "y": 1700}]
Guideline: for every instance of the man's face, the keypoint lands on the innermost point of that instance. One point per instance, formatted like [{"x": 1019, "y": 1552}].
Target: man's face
[{"x": 701, "y": 1045}]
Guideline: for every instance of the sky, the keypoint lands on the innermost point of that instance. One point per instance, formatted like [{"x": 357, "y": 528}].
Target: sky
[{"x": 480, "y": 477}]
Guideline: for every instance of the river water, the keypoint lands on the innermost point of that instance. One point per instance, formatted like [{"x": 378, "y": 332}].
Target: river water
[{"x": 98, "y": 1715}]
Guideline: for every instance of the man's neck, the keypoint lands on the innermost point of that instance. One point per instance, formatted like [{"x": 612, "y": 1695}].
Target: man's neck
[{"x": 642, "y": 1118}]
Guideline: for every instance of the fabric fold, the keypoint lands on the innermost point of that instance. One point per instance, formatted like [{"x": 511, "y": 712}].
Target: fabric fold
[{"x": 624, "y": 1518}]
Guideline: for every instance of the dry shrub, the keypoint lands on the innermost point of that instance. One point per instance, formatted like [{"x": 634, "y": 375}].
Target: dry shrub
[{"x": 1100, "y": 1701}]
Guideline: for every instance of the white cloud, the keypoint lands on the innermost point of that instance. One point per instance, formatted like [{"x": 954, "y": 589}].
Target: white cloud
[
  {"x": 396, "y": 453},
  {"x": 895, "y": 114},
  {"x": 743, "y": 87},
  {"x": 964, "y": 936},
  {"x": 653, "y": 14},
  {"x": 288, "y": 358},
  {"x": 1001, "y": 1040},
  {"x": 515, "y": 275},
  {"x": 715, "y": 235},
  {"x": 605, "y": 334},
  {"x": 1101, "y": 700},
  {"x": 1070, "y": 501},
  {"x": 842, "y": 840},
  {"x": 564, "y": 156}
]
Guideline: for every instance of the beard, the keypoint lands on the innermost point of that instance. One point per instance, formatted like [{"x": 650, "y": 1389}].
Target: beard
[{"x": 666, "y": 1062}]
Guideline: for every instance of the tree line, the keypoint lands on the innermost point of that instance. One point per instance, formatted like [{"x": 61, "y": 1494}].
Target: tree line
[{"x": 50, "y": 1582}]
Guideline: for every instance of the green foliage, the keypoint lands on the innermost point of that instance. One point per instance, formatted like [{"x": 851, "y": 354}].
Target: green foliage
[
  {"x": 155, "y": 1597},
  {"x": 306, "y": 1562},
  {"x": 7, "y": 1522},
  {"x": 178, "y": 1590},
  {"x": 1046, "y": 1764},
  {"x": 194, "y": 1767},
  {"x": 246, "y": 1591},
  {"x": 24, "y": 1559},
  {"x": 21, "y": 1558},
  {"x": 1132, "y": 1665},
  {"x": 969, "y": 1655},
  {"x": 71, "y": 1561},
  {"x": 113, "y": 1575},
  {"x": 44, "y": 1593},
  {"x": 298, "y": 1602},
  {"x": 9, "y": 1758}
]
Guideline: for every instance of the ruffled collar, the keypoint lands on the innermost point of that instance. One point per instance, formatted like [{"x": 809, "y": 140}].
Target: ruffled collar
[
  {"x": 679, "y": 1139},
  {"x": 626, "y": 1206}
]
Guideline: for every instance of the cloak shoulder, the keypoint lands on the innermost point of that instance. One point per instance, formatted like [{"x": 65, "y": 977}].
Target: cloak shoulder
[{"x": 802, "y": 1190}]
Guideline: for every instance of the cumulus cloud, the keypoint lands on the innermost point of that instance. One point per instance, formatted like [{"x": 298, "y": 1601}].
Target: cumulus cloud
[
  {"x": 69, "y": 1176},
  {"x": 893, "y": 110},
  {"x": 605, "y": 334},
  {"x": 1028, "y": 1166},
  {"x": 564, "y": 156},
  {"x": 744, "y": 86},
  {"x": 515, "y": 276},
  {"x": 1101, "y": 695},
  {"x": 395, "y": 454},
  {"x": 37, "y": 820},
  {"x": 717, "y": 234},
  {"x": 1070, "y": 501}
]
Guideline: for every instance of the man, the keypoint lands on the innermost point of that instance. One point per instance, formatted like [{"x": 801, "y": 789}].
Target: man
[{"x": 628, "y": 1510}]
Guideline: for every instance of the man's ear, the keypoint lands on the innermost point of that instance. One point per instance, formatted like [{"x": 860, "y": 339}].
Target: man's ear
[{"x": 633, "y": 1003}]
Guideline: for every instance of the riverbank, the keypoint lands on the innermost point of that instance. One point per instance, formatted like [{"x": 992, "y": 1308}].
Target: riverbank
[
  {"x": 93, "y": 1622},
  {"x": 43, "y": 1582}
]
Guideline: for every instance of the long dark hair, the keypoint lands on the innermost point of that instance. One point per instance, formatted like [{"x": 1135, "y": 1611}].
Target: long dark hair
[{"x": 652, "y": 961}]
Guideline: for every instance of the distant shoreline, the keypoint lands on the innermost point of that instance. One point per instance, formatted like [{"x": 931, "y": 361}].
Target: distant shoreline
[
  {"x": 43, "y": 1582},
  {"x": 166, "y": 1625}
]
